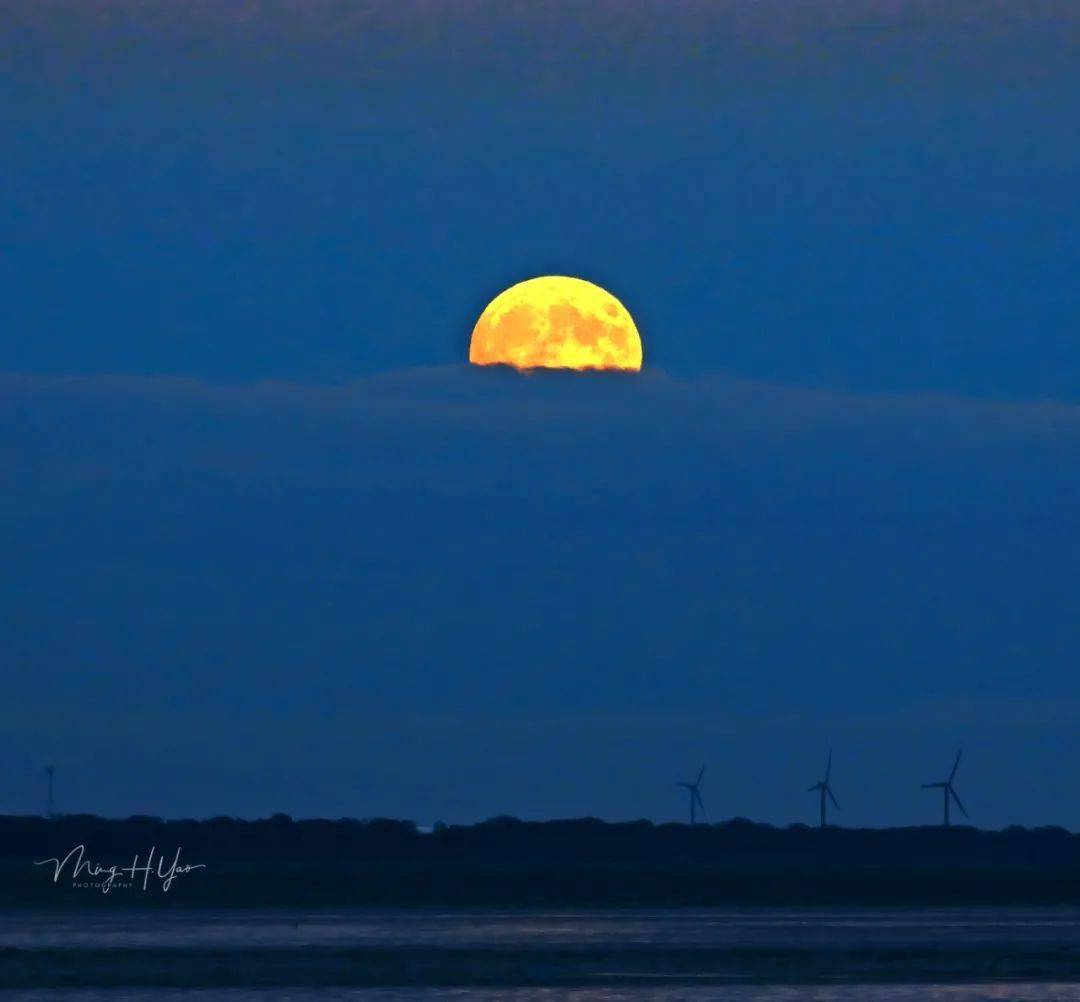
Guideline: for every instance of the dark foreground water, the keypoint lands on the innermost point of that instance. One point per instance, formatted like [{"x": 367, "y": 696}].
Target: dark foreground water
[
  {"x": 748, "y": 993},
  {"x": 737, "y": 955}
]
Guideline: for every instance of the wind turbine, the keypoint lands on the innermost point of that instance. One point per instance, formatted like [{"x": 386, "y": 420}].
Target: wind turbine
[
  {"x": 825, "y": 789},
  {"x": 694, "y": 790},
  {"x": 947, "y": 790}
]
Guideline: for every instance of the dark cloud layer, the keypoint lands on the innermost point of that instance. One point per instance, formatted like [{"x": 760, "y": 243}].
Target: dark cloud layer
[{"x": 454, "y": 592}]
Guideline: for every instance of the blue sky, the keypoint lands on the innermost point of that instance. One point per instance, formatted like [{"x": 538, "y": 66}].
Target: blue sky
[{"x": 276, "y": 548}]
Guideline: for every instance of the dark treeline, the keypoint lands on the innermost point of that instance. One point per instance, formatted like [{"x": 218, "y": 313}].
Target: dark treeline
[
  {"x": 507, "y": 839},
  {"x": 505, "y": 861}
]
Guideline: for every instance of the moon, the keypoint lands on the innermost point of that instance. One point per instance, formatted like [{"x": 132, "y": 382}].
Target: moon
[{"x": 556, "y": 322}]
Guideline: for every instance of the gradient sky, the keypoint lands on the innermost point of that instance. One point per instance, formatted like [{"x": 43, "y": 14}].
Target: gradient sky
[{"x": 272, "y": 546}]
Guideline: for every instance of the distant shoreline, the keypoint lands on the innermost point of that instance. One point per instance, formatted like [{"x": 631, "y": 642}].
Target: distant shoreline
[{"x": 504, "y": 862}]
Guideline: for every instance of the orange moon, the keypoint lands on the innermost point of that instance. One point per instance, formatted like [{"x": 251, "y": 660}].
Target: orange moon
[{"x": 555, "y": 322}]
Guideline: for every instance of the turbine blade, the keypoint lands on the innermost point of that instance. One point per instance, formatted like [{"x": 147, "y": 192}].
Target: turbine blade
[
  {"x": 956, "y": 765},
  {"x": 963, "y": 810},
  {"x": 832, "y": 798},
  {"x": 828, "y": 767},
  {"x": 701, "y": 804},
  {"x": 816, "y": 786},
  {"x": 932, "y": 786},
  {"x": 699, "y": 775}
]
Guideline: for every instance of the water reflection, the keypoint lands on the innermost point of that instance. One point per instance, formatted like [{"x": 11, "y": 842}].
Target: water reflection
[
  {"x": 717, "y": 928},
  {"x": 757, "y": 993}
]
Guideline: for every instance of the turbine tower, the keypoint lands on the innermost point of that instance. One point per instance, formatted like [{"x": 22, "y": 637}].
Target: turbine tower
[
  {"x": 694, "y": 790},
  {"x": 49, "y": 771},
  {"x": 825, "y": 789},
  {"x": 947, "y": 790}
]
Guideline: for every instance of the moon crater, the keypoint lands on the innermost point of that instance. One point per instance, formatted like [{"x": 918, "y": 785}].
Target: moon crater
[{"x": 556, "y": 322}]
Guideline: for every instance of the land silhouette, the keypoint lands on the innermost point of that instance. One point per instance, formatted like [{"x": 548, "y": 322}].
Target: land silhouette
[{"x": 504, "y": 861}]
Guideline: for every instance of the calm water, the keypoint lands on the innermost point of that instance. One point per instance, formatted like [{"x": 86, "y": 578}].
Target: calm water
[
  {"x": 644, "y": 943},
  {"x": 1017, "y": 992},
  {"x": 713, "y": 927}
]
